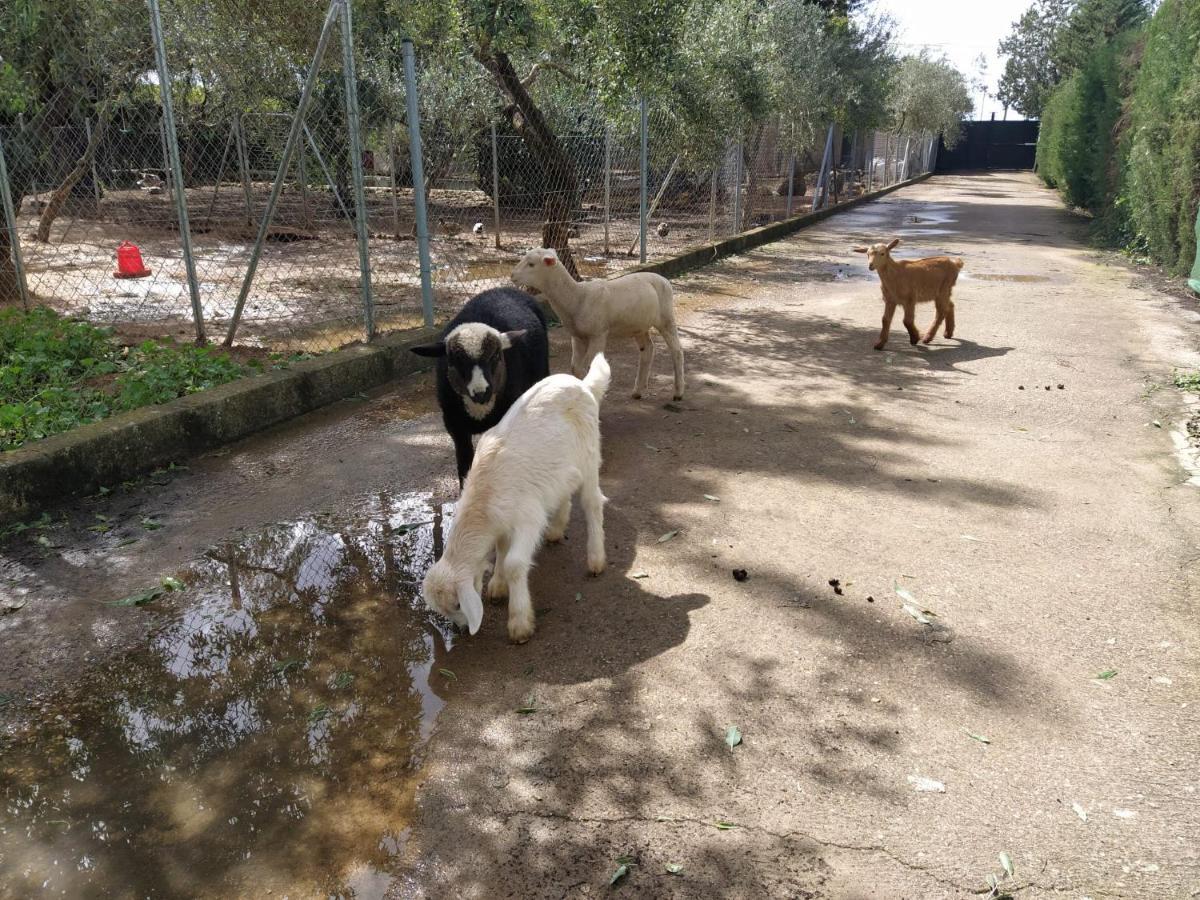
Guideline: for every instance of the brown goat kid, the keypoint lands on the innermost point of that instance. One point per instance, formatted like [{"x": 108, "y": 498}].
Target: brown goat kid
[{"x": 907, "y": 282}]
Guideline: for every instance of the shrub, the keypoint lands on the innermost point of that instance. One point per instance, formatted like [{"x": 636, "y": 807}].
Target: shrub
[{"x": 57, "y": 374}]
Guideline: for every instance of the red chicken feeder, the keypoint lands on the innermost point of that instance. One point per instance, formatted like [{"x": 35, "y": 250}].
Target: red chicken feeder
[{"x": 129, "y": 262}]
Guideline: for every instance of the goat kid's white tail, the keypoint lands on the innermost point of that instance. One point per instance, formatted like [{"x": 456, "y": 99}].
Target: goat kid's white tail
[{"x": 598, "y": 377}]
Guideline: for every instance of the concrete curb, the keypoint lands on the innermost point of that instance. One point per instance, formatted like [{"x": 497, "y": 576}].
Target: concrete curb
[
  {"x": 756, "y": 237},
  {"x": 125, "y": 446},
  {"x": 122, "y": 447}
]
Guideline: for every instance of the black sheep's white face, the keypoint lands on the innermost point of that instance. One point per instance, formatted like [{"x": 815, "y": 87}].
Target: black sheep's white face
[
  {"x": 475, "y": 364},
  {"x": 475, "y": 361}
]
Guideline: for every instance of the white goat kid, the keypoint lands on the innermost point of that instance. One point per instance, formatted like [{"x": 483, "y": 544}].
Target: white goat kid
[
  {"x": 525, "y": 472},
  {"x": 594, "y": 311}
]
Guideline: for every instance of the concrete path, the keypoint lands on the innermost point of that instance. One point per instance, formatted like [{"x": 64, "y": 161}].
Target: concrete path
[
  {"x": 1049, "y": 529},
  {"x": 1020, "y": 481}
]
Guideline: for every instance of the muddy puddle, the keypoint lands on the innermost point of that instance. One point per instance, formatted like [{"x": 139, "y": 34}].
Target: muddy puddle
[{"x": 264, "y": 741}]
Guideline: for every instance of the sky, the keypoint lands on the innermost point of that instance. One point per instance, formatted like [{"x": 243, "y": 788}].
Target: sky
[{"x": 960, "y": 29}]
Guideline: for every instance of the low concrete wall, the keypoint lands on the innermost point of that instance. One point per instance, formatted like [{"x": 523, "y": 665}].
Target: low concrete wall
[
  {"x": 122, "y": 447},
  {"x": 125, "y": 446}
]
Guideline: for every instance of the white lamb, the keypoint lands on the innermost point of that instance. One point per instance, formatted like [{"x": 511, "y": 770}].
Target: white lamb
[
  {"x": 525, "y": 472},
  {"x": 594, "y": 311}
]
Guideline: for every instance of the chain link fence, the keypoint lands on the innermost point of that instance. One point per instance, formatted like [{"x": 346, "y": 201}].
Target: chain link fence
[{"x": 314, "y": 216}]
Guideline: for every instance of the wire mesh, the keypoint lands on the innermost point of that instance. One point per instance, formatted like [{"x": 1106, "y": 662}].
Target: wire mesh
[{"x": 90, "y": 165}]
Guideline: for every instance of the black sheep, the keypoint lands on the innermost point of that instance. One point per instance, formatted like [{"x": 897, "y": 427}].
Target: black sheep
[{"x": 489, "y": 354}]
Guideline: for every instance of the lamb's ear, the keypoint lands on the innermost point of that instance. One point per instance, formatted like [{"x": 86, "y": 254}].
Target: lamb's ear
[
  {"x": 508, "y": 338},
  {"x": 859, "y": 249},
  {"x": 549, "y": 257},
  {"x": 471, "y": 605},
  {"x": 436, "y": 349},
  {"x": 893, "y": 243}
]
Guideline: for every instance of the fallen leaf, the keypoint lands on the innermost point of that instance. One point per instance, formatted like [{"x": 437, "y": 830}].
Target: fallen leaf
[
  {"x": 319, "y": 714},
  {"x": 446, "y": 673},
  {"x": 639, "y": 574},
  {"x": 1156, "y": 423},
  {"x": 1107, "y": 674},
  {"x": 411, "y": 526},
  {"x": 976, "y": 737},
  {"x": 529, "y": 706},
  {"x": 673, "y": 868},
  {"x": 139, "y": 599},
  {"x": 1079, "y": 811},
  {"x": 1006, "y": 863},
  {"x": 172, "y": 584},
  {"x": 712, "y": 498},
  {"x": 150, "y": 524},
  {"x": 126, "y": 542},
  {"x": 44, "y": 541},
  {"x": 578, "y": 596},
  {"x": 733, "y": 737},
  {"x": 912, "y": 607},
  {"x": 286, "y": 665},
  {"x": 12, "y": 604},
  {"x": 343, "y": 680},
  {"x": 666, "y": 537},
  {"x": 622, "y": 871},
  {"x": 722, "y": 825},
  {"x": 971, "y": 537},
  {"x": 926, "y": 785}
]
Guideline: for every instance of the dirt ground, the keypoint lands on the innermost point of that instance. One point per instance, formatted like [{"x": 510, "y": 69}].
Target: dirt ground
[
  {"x": 306, "y": 294},
  {"x": 1023, "y": 483}
]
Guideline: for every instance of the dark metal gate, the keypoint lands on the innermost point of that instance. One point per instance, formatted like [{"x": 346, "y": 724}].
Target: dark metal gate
[{"x": 991, "y": 145}]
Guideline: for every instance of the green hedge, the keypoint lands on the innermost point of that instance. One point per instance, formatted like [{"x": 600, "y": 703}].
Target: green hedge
[
  {"x": 1162, "y": 176},
  {"x": 1121, "y": 137},
  {"x": 1076, "y": 147}
]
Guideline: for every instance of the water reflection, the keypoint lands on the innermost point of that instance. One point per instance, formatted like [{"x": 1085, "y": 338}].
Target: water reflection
[{"x": 265, "y": 739}]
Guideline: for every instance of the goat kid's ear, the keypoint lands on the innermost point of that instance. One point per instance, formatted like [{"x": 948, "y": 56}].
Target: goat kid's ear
[
  {"x": 507, "y": 338},
  {"x": 471, "y": 605},
  {"x": 437, "y": 349},
  {"x": 550, "y": 259},
  {"x": 893, "y": 243},
  {"x": 859, "y": 249}
]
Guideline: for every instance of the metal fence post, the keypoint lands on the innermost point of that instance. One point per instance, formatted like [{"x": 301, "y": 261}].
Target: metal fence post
[
  {"x": 14, "y": 239},
  {"x": 172, "y": 142},
  {"x": 737, "y": 188},
  {"x": 645, "y": 166},
  {"x": 243, "y": 165},
  {"x": 496, "y": 183},
  {"x": 418, "y": 177},
  {"x": 607, "y": 181},
  {"x": 284, "y": 164},
  {"x": 354, "y": 123}
]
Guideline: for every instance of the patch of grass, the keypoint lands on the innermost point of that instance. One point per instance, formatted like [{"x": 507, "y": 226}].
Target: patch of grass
[
  {"x": 1187, "y": 381},
  {"x": 57, "y": 374}
]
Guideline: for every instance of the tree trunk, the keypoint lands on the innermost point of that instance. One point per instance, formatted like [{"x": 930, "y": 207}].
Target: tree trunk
[
  {"x": 752, "y": 176},
  {"x": 561, "y": 177},
  {"x": 63, "y": 191},
  {"x": 9, "y": 290}
]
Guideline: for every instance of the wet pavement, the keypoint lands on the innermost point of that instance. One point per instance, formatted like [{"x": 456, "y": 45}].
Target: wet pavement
[{"x": 266, "y": 737}]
